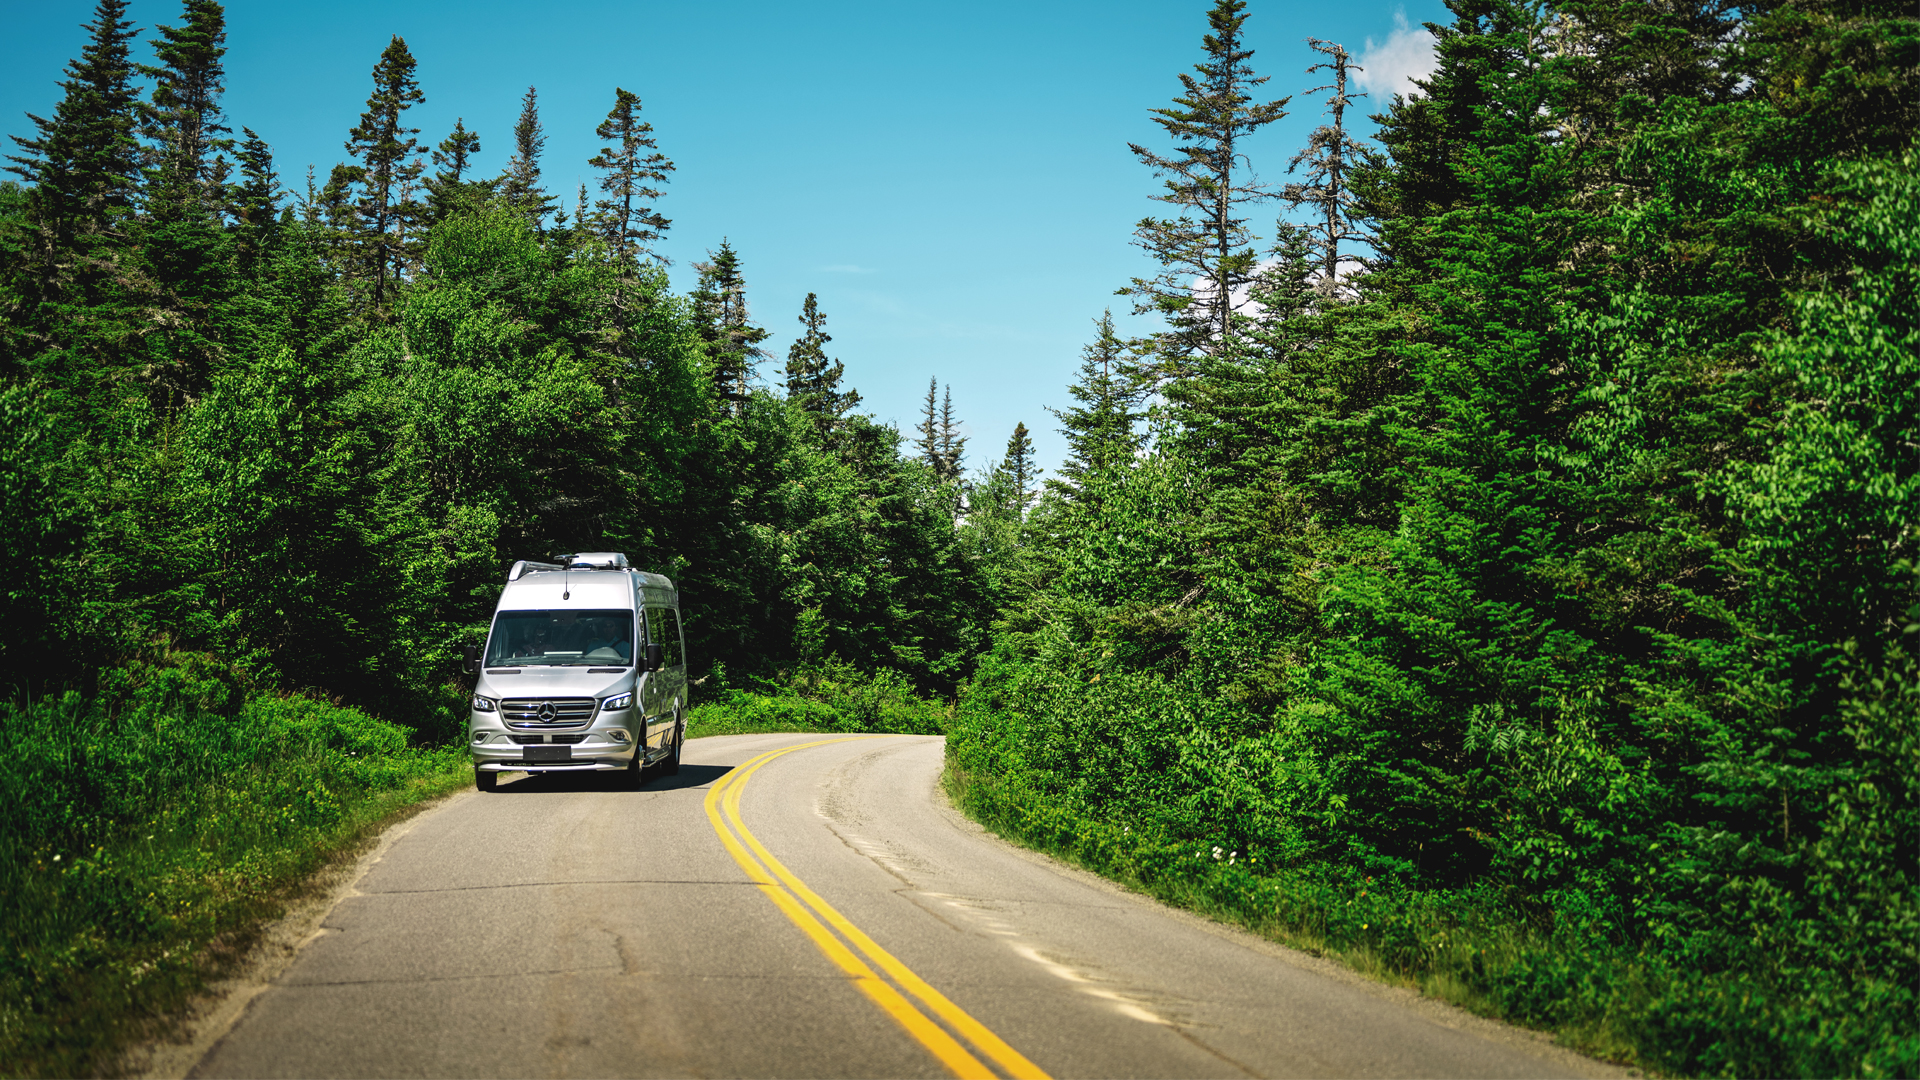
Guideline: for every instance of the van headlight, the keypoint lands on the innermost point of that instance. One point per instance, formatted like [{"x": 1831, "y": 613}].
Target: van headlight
[
  {"x": 482, "y": 704},
  {"x": 617, "y": 702}
]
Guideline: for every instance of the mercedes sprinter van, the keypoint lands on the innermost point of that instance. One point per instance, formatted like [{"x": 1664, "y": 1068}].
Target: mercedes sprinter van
[{"x": 584, "y": 670}]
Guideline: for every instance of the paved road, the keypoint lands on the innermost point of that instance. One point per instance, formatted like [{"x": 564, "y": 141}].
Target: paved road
[{"x": 814, "y": 912}]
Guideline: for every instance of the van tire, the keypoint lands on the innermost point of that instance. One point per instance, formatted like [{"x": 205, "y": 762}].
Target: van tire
[
  {"x": 636, "y": 773},
  {"x": 670, "y": 765},
  {"x": 485, "y": 781}
]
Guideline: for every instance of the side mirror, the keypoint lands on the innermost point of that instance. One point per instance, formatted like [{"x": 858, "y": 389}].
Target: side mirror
[
  {"x": 656, "y": 657},
  {"x": 469, "y": 658}
]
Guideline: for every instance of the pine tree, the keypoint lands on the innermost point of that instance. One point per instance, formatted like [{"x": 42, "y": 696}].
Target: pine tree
[
  {"x": 83, "y": 166},
  {"x": 1328, "y": 155},
  {"x": 183, "y": 118},
  {"x": 1100, "y": 429},
  {"x": 726, "y": 327},
  {"x": 383, "y": 143},
  {"x": 521, "y": 183},
  {"x": 632, "y": 166},
  {"x": 1206, "y": 178},
  {"x": 813, "y": 380}
]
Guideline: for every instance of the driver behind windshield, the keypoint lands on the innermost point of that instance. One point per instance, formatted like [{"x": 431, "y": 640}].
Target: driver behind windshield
[{"x": 607, "y": 638}]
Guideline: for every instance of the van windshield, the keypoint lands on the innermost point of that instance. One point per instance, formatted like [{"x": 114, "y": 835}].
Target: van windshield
[{"x": 523, "y": 638}]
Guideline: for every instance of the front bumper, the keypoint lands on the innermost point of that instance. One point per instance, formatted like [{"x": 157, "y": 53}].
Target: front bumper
[{"x": 593, "y": 753}]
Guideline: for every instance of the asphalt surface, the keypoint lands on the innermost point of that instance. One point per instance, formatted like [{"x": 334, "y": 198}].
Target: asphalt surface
[{"x": 564, "y": 927}]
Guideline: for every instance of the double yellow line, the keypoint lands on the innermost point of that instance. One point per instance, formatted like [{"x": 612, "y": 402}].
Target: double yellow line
[{"x": 813, "y": 916}]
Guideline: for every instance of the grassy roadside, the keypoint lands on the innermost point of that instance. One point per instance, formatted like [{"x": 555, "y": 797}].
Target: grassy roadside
[
  {"x": 147, "y": 844},
  {"x": 1469, "y": 950}
]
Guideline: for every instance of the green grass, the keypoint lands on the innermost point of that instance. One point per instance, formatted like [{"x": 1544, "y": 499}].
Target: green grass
[{"x": 146, "y": 844}]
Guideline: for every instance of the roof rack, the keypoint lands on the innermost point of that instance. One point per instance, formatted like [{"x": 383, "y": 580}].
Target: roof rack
[
  {"x": 586, "y": 560},
  {"x": 598, "y": 560}
]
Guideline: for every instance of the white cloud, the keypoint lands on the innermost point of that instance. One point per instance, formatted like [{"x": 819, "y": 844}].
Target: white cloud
[
  {"x": 846, "y": 268},
  {"x": 1393, "y": 64}
]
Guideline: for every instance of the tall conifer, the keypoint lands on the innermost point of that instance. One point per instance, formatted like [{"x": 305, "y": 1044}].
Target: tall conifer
[
  {"x": 383, "y": 143},
  {"x": 813, "y": 380},
  {"x": 1329, "y": 154},
  {"x": 83, "y": 166},
  {"x": 451, "y": 160},
  {"x": 1208, "y": 180},
  {"x": 725, "y": 325},
  {"x": 1017, "y": 464},
  {"x": 521, "y": 183},
  {"x": 184, "y": 118},
  {"x": 256, "y": 198},
  {"x": 631, "y": 168},
  {"x": 1100, "y": 429}
]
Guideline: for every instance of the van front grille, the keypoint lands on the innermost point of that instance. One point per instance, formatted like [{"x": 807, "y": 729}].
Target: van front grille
[{"x": 546, "y": 712}]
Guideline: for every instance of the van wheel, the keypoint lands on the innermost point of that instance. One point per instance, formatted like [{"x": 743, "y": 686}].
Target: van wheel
[
  {"x": 671, "y": 766},
  {"x": 636, "y": 773},
  {"x": 485, "y": 781}
]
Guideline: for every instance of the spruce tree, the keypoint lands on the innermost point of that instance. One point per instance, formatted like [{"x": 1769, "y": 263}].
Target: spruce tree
[
  {"x": 1100, "y": 429},
  {"x": 256, "y": 198},
  {"x": 183, "y": 117},
  {"x": 940, "y": 443},
  {"x": 813, "y": 380},
  {"x": 1018, "y": 466},
  {"x": 382, "y": 142},
  {"x": 928, "y": 430},
  {"x": 451, "y": 160},
  {"x": 953, "y": 445},
  {"x": 1329, "y": 154},
  {"x": 520, "y": 185},
  {"x": 726, "y": 327},
  {"x": 632, "y": 166},
  {"x": 82, "y": 169},
  {"x": 1208, "y": 181}
]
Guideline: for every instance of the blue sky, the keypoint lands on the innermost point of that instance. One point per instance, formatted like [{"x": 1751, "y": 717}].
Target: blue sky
[{"x": 952, "y": 180}]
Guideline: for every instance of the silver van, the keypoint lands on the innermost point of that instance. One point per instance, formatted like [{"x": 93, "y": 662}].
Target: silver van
[{"x": 584, "y": 670}]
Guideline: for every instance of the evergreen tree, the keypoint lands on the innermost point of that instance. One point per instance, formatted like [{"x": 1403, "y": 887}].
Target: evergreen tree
[
  {"x": 256, "y": 199},
  {"x": 184, "y": 118},
  {"x": 726, "y": 327},
  {"x": 1207, "y": 178},
  {"x": 632, "y": 166},
  {"x": 520, "y": 185},
  {"x": 813, "y": 380},
  {"x": 1018, "y": 466},
  {"x": 1328, "y": 155},
  {"x": 1100, "y": 429},
  {"x": 382, "y": 142},
  {"x": 953, "y": 445},
  {"x": 451, "y": 160},
  {"x": 83, "y": 167}
]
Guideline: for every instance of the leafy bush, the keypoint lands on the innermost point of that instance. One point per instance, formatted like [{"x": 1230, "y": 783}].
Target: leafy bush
[{"x": 830, "y": 697}]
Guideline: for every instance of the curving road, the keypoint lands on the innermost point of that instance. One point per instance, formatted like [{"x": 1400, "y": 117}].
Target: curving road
[{"x": 795, "y": 906}]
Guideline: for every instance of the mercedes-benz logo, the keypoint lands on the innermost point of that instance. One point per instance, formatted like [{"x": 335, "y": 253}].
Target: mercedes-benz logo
[{"x": 546, "y": 712}]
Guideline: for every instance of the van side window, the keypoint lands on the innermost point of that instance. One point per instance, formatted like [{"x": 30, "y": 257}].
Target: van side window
[{"x": 671, "y": 629}]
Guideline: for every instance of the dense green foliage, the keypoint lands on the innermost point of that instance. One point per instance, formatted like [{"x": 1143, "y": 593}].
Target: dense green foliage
[
  {"x": 1534, "y": 611},
  {"x": 305, "y": 439}
]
